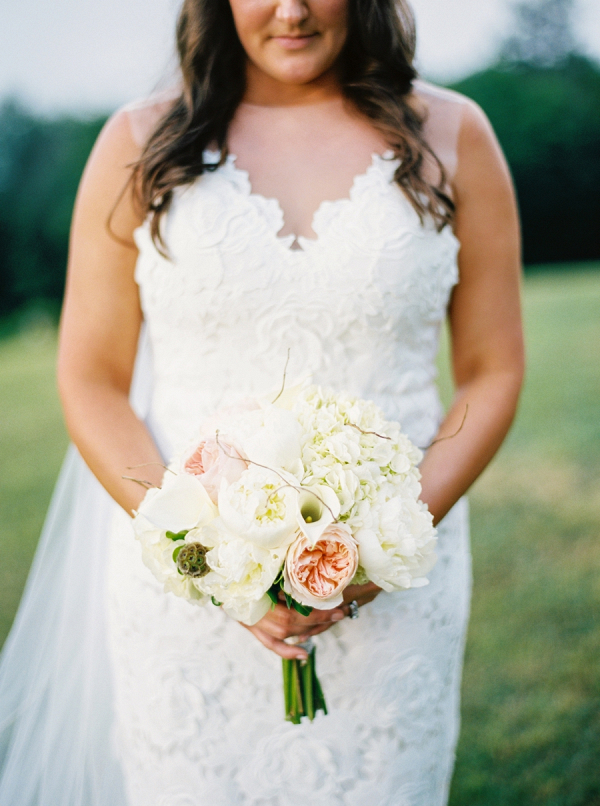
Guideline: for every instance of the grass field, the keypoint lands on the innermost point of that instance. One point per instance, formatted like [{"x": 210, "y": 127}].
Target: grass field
[{"x": 531, "y": 689}]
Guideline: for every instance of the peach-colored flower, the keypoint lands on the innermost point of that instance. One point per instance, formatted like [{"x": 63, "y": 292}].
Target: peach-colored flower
[
  {"x": 214, "y": 461},
  {"x": 316, "y": 574}
]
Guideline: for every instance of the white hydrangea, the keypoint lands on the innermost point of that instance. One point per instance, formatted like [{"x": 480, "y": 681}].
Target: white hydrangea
[{"x": 349, "y": 446}]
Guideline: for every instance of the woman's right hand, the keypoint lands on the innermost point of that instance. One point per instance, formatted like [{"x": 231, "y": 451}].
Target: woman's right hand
[{"x": 281, "y": 623}]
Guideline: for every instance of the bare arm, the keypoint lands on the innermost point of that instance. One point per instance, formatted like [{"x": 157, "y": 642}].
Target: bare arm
[
  {"x": 101, "y": 321},
  {"x": 485, "y": 320}
]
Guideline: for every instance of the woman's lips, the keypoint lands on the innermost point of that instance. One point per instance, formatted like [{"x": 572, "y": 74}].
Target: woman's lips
[{"x": 294, "y": 42}]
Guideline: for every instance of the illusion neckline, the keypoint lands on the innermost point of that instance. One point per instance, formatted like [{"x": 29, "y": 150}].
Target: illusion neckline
[{"x": 276, "y": 222}]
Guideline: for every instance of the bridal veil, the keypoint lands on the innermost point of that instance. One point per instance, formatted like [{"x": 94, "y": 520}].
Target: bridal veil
[{"x": 55, "y": 676}]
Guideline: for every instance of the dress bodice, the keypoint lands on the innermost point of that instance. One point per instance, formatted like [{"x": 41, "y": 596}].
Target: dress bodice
[{"x": 359, "y": 308}]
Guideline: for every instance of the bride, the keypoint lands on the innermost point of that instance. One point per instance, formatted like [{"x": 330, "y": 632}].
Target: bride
[{"x": 304, "y": 195}]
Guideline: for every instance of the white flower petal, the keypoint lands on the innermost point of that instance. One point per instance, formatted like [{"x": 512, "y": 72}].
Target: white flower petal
[
  {"x": 321, "y": 505},
  {"x": 249, "y": 612},
  {"x": 183, "y": 503},
  {"x": 261, "y": 507}
]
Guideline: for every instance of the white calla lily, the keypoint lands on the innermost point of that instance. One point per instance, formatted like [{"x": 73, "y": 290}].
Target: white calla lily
[
  {"x": 181, "y": 503},
  {"x": 318, "y": 508}
]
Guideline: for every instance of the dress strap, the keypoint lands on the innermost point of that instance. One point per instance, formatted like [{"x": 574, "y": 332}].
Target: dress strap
[
  {"x": 443, "y": 117},
  {"x": 145, "y": 113}
]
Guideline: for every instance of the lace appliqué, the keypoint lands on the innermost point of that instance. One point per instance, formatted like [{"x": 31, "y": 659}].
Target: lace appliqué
[{"x": 199, "y": 700}]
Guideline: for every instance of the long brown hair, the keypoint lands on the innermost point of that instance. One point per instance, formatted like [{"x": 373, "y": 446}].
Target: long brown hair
[{"x": 376, "y": 72}]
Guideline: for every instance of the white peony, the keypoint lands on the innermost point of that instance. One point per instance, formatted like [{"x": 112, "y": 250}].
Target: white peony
[
  {"x": 157, "y": 555},
  {"x": 396, "y": 545},
  {"x": 240, "y": 573},
  {"x": 267, "y": 435},
  {"x": 261, "y": 506}
]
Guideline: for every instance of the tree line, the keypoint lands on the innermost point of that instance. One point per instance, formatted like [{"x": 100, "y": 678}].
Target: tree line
[{"x": 546, "y": 115}]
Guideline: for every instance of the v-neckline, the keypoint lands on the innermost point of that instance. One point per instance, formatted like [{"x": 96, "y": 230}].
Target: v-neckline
[{"x": 241, "y": 179}]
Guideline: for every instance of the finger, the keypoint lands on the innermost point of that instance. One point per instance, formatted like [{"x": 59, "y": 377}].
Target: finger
[
  {"x": 318, "y": 617},
  {"x": 294, "y": 623},
  {"x": 280, "y": 648},
  {"x": 314, "y": 631}
]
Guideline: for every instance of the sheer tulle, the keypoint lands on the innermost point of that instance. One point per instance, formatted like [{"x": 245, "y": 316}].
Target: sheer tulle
[{"x": 55, "y": 678}]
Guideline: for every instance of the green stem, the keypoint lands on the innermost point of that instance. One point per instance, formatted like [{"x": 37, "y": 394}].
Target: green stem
[
  {"x": 286, "y": 664},
  {"x": 308, "y": 680},
  {"x": 297, "y": 709},
  {"x": 320, "y": 704},
  {"x": 302, "y": 692}
]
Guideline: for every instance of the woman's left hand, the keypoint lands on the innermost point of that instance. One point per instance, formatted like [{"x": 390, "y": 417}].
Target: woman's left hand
[{"x": 361, "y": 594}]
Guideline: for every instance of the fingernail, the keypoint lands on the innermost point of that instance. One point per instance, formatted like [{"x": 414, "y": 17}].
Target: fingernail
[
  {"x": 304, "y": 656},
  {"x": 337, "y": 616}
]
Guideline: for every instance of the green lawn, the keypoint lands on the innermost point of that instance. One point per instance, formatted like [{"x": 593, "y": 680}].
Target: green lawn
[
  {"x": 531, "y": 690},
  {"x": 32, "y": 445}
]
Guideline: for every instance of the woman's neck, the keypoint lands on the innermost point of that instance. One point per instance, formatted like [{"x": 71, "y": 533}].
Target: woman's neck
[{"x": 264, "y": 90}]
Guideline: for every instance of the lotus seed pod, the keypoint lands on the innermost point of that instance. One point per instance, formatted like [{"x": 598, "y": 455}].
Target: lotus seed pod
[{"x": 191, "y": 560}]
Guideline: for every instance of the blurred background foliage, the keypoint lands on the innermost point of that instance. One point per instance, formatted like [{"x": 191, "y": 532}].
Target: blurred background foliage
[
  {"x": 547, "y": 119},
  {"x": 40, "y": 166}
]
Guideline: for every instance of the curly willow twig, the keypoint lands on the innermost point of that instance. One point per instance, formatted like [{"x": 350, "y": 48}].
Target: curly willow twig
[
  {"x": 287, "y": 361},
  {"x": 148, "y": 485},
  {"x": 142, "y": 482},
  {"x": 374, "y": 433},
  {"x": 450, "y": 436},
  {"x": 286, "y": 483}
]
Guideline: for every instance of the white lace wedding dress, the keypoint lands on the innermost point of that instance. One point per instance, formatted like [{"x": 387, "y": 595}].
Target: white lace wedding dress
[
  {"x": 191, "y": 702},
  {"x": 199, "y": 700}
]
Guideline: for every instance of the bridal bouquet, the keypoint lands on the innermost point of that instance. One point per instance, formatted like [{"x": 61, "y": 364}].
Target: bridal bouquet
[{"x": 304, "y": 495}]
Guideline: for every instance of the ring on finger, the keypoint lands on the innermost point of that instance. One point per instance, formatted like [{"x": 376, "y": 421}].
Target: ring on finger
[{"x": 353, "y": 609}]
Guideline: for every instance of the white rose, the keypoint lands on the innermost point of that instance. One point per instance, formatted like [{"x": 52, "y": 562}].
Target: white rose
[
  {"x": 157, "y": 555},
  {"x": 247, "y": 612},
  {"x": 184, "y": 587}
]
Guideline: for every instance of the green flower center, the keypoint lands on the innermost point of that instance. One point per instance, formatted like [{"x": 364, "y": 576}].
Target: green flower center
[{"x": 191, "y": 560}]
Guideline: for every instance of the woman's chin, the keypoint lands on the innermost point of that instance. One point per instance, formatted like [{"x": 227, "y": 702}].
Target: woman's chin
[{"x": 296, "y": 67}]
